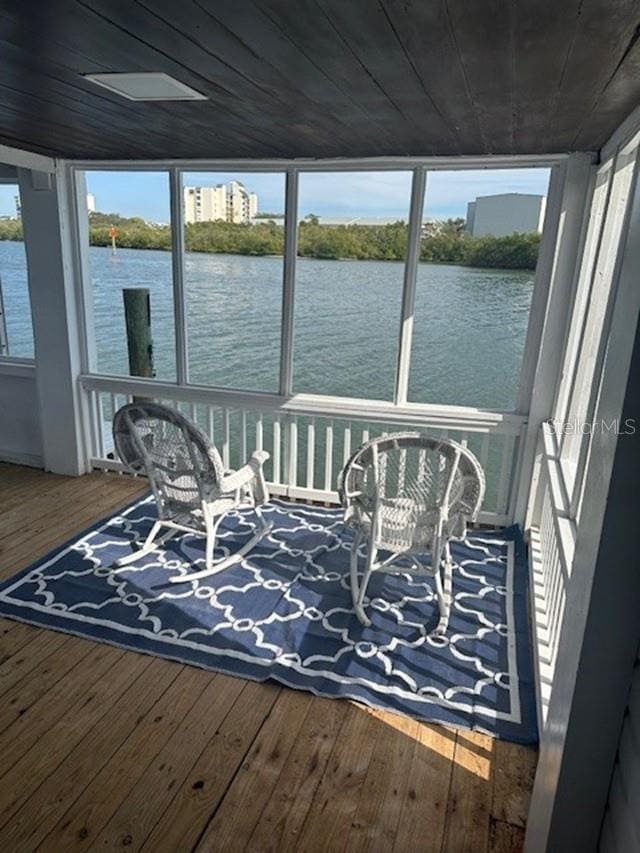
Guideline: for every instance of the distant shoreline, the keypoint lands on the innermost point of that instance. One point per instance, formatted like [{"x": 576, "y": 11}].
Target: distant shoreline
[
  {"x": 300, "y": 257},
  {"x": 317, "y": 242}
]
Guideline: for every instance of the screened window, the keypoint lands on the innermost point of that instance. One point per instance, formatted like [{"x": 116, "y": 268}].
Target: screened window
[
  {"x": 16, "y": 330},
  {"x": 233, "y": 268},
  {"x": 480, "y": 236},
  {"x": 130, "y": 249},
  {"x": 352, "y": 240}
]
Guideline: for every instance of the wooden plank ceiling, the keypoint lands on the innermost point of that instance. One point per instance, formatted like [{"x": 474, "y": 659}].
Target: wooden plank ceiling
[{"x": 320, "y": 78}]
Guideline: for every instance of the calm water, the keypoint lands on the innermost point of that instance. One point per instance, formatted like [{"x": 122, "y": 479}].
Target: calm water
[{"x": 469, "y": 328}]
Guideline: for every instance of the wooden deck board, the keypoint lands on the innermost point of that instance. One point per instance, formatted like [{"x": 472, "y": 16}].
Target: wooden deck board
[{"x": 109, "y": 749}]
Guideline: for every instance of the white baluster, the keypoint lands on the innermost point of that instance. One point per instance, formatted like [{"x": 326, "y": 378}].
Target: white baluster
[
  {"x": 225, "y": 438},
  {"x": 346, "y": 448},
  {"x": 311, "y": 451},
  {"x": 292, "y": 473},
  {"x": 243, "y": 454},
  {"x": 276, "y": 449},
  {"x": 259, "y": 432},
  {"x": 328, "y": 456},
  {"x": 211, "y": 423},
  {"x": 98, "y": 419}
]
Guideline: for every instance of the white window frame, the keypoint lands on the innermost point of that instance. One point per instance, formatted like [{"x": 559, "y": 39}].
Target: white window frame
[{"x": 420, "y": 167}]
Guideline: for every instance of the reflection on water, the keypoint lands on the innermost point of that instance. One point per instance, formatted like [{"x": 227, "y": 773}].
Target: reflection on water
[
  {"x": 470, "y": 327},
  {"x": 469, "y": 330}
]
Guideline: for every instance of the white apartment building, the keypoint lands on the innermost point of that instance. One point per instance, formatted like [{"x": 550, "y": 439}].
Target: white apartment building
[
  {"x": 505, "y": 213},
  {"x": 205, "y": 204},
  {"x": 91, "y": 203},
  {"x": 230, "y": 203}
]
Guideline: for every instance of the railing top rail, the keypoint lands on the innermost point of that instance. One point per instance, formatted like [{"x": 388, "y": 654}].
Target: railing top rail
[{"x": 347, "y": 408}]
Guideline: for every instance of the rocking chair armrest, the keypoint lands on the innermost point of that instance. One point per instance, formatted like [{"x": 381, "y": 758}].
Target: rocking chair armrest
[
  {"x": 243, "y": 476},
  {"x": 259, "y": 457}
]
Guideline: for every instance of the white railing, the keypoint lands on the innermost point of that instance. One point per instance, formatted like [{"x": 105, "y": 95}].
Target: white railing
[
  {"x": 310, "y": 438},
  {"x": 552, "y": 544}
]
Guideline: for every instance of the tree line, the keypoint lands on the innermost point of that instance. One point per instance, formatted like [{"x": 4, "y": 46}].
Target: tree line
[{"x": 446, "y": 243}]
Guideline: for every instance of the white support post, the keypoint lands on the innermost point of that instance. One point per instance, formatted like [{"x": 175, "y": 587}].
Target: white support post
[
  {"x": 177, "y": 263},
  {"x": 288, "y": 307},
  {"x": 288, "y": 283},
  {"x": 50, "y": 234},
  {"x": 555, "y": 281},
  {"x": 79, "y": 221},
  {"x": 414, "y": 239}
]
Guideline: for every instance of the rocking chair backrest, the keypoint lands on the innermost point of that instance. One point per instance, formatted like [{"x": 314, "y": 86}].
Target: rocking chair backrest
[
  {"x": 418, "y": 475},
  {"x": 182, "y": 466}
]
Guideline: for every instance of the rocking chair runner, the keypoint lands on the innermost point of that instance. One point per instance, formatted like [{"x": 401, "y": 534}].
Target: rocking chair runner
[
  {"x": 193, "y": 492},
  {"x": 409, "y": 494}
]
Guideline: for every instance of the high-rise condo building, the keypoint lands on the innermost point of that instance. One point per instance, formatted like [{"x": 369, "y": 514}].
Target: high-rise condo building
[{"x": 231, "y": 203}]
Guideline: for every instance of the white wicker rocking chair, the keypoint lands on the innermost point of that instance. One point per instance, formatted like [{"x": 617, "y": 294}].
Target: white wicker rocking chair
[
  {"x": 408, "y": 494},
  {"x": 193, "y": 492}
]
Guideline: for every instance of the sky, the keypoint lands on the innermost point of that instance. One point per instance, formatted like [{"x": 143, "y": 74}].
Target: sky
[{"x": 386, "y": 194}]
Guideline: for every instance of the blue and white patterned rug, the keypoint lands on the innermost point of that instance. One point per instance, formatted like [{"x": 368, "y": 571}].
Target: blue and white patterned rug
[{"x": 285, "y": 613}]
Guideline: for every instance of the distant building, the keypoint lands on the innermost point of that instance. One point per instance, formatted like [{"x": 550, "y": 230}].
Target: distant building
[
  {"x": 16, "y": 198},
  {"x": 205, "y": 204},
  {"x": 505, "y": 213},
  {"x": 91, "y": 203},
  {"x": 230, "y": 203},
  {"x": 241, "y": 205},
  {"x": 277, "y": 219},
  {"x": 359, "y": 220}
]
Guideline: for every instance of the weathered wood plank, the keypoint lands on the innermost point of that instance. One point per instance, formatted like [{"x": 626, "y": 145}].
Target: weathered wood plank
[
  {"x": 513, "y": 773},
  {"x": 601, "y": 37},
  {"x": 505, "y": 837},
  {"x": 470, "y": 795},
  {"x": 13, "y": 635},
  {"x": 40, "y": 646},
  {"x": 380, "y": 50},
  {"x": 386, "y": 786},
  {"x": 186, "y": 818},
  {"x": 544, "y": 29},
  {"x": 37, "y": 537},
  {"x": 81, "y": 824},
  {"x": 284, "y": 814},
  {"x": 148, "y": 800},
  {"x": 336, "y": 799},
  {"x": 37, "y": 817},
  {"x": 19, "y": 702},
  {"x": 39, "y": 503},
  {"x": 425, "y": 806},
  {"x": 254, "y": 782},
  {"x": 84, "y": 710},
  {"x": 484, "y": 36}
]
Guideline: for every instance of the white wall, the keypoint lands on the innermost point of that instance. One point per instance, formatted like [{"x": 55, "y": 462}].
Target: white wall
[
  {"x": 20, "y": 439},
  {"x": 585, "y": 505}
]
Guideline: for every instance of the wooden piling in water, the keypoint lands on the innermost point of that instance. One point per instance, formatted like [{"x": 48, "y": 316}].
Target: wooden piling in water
[{"x": 137, "y": 313}]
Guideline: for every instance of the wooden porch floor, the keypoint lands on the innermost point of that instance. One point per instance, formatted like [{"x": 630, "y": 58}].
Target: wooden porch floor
[{"x": 106, "y": 749}]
